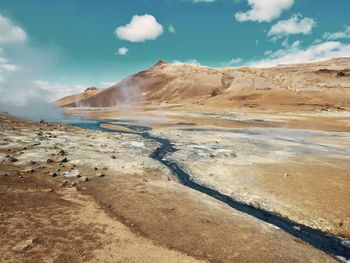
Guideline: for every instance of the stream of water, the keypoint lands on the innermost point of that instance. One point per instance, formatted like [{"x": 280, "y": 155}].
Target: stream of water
[{"x": 335, "y": 246}]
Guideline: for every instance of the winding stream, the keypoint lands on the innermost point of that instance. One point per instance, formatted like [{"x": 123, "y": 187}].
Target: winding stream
[{"x": 333, "y": 245}]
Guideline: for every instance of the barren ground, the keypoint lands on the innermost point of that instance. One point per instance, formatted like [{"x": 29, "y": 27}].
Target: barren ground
[{"x": 72, "y": 195}]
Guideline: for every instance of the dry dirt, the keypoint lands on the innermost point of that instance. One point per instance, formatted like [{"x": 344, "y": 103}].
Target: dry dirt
[{"x": 134, "y": 213}]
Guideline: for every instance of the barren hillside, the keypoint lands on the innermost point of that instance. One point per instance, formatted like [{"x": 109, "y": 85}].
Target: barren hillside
[{"x": 319, "y": 85}]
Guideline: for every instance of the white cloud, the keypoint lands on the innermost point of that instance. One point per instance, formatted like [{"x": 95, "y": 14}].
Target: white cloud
[
  {"x": 122, "y": 51},
  {"x": 10, "y": 33},
  {"x": 294, "y": 25},
  {"x": 9, "y": 67},
  {"x": 56, "y": 90},
  {"x": 338, "y": 35},
  {"x": 190, "y": 62},
  {"x": 233, "y": 62},
  {"x": 264, "y": 10},
  {"x": 295, "y": 54},
  {"x": 171, "y": 29},
  {"x": 5, "y": 65},
  {"x": 140, "y": 29}
]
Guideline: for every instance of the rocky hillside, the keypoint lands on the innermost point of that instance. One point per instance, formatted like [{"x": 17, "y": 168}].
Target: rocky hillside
[{"x": 320, "y": 85}]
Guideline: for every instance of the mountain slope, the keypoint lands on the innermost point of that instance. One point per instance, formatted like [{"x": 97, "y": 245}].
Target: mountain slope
[{"x": 323, "y": 84}]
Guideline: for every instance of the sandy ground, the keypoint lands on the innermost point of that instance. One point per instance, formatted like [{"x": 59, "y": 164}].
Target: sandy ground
[
  {"x": 72, "y": 195},
  {"x": 295, "y": 164}
]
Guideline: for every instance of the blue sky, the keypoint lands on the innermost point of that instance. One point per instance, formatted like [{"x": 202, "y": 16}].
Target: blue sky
[{"x": 65, "y": 45}]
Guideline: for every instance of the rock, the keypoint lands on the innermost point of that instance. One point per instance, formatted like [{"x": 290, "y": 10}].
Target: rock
[
  {"x": 42, "y": 121},
  {"x": 12, "y": 159},
  {"x": 145, "y": 180},
  {"x": 63, "y": 160},
  {"x": 64, "y": 183},
  {"x": 24, "y": 245},
  {"x": 29, "y": 170},
  {"x": 73, "y": 184},
  {"x": 340, "y": 74},
  {"x": 53, "y": 174},
  {"x": 84, "y": 179},
  {"x": 49, "y": 190},
  {"x": 72, "y": 173},
  {"x": 297, "y": 228},
  {"x": 212, "y": 155},
  {"x": 100, "y": 175},
  {"x": 49, "y": 161},
  {"x": 62, "y": 152},
  {"x": 113, "y": 157},
  {"x": 95, "y": 168},
  {"x": 286, "y": 175},
  {"x": 31, "y": 162}
]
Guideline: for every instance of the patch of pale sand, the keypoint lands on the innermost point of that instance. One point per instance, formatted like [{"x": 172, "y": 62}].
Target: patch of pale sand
[{"x": 120, "y": 244}]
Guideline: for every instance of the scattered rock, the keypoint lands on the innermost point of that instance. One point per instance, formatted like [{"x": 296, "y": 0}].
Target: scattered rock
[
  {"x": 84, "y": 179},
  {"x": 53, "y": 174},
  {"x": 64, "y": 183},
  {"x": 62, "y": 160},
  {"x": 12, "y": 159},
  {"x": 24, "y": 245},
  {"x": 100, "y": 175},
  {"x": 72, "y": 173},
  {"x": 145, "y": 180},
  {"x": 62, "y": 152}
]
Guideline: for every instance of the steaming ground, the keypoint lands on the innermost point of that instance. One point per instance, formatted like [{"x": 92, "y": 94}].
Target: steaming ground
[{"x": 87, "y": 196}]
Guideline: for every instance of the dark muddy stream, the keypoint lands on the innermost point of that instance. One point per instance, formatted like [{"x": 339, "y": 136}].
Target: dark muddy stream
[{"x": 333, "y": 245}]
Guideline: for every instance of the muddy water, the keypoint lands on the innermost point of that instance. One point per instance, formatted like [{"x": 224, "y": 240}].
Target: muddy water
[{"x": 331, "y": 244}]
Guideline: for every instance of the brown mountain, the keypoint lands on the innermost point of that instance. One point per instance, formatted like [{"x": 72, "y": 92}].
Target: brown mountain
[{"x": 324, "y": 85}]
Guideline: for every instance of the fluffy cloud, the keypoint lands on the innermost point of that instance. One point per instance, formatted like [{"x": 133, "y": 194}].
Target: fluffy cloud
[
  {"x": 9, "y": 67},
  {"x": 57, "y": 90},
  {"x": 295, "y": 25},
  {"x": 294, "y": 53},
  {"x": 140, "y": 29},
  {"x": 233, "y": 62},
  {"x": 338, "y": 35},
  {"x": 264, "y": 10},
  {"x": 122, "y": 51},
  {"x": 5, "y": 65},
  {"x": 10, "y": 33},
  {"x": 171, "y": 29},
  {"x": 193, "y": 62}
]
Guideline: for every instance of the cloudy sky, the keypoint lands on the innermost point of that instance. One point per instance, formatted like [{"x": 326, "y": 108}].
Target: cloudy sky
[{"x": 64, "y": 46}]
